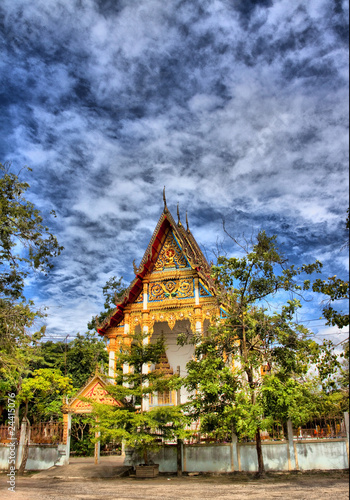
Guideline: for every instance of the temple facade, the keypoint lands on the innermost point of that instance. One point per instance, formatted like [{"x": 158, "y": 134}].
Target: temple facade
[{"x": 172, "y": 293}]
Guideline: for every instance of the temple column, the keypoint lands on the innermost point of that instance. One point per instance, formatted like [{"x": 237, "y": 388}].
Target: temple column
[
  {"x": 145, "y": 367},
  {"x": 111, "y": 354},
  {"x": 126, "y": 332},
  {"x": 145, "y": 296},
  {"x": 197, "y": 308},
  {"x": 198, "y": 319},
  {"x": 126, "y": 323},
  {"x": 196, "y": 291}
]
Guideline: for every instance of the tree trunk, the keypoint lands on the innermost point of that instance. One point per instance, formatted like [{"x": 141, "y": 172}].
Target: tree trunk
[
  {"x": 145, "y": 456},
  {"x": 261, "y": 468},
  {"x": 179, "y": 457}
]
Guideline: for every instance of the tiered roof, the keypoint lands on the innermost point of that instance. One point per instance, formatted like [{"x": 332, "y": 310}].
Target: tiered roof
[{"x": 190, "y": 249}]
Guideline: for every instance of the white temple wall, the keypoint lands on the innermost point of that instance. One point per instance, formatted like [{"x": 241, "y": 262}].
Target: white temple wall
[{"x": 177, "y": 355}]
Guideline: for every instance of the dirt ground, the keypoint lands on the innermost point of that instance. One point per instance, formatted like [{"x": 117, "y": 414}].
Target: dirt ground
[{"x": 289, "y": 486}]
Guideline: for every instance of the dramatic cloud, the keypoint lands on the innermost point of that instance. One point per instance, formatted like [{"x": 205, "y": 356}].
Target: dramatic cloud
[{"x": 238, "y": 107}]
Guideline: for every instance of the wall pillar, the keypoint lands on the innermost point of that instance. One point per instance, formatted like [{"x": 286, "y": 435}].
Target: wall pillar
[
  {"x": 97, "y": 447},
  {"x": 292, "y": 449},
  {"x": 21, "y": 445},
  {"x": 235, "y": 465},
  {"x": 67, "y": 420},
  {"x": 346, "y": 419}
]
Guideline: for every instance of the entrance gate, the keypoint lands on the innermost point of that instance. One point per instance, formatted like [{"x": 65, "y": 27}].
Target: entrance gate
[{"x": 95, "y": 390}]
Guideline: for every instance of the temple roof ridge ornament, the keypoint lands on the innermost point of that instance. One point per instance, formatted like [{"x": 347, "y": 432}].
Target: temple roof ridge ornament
[
  {"x": 178, "y": 216},
  {"x": 165, "y": 205}
]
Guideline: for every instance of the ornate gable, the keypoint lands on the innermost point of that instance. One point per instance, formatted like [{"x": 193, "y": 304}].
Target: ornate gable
[
  {"x": 95, "y": 390},
  {"x": 170, "y": 256}
]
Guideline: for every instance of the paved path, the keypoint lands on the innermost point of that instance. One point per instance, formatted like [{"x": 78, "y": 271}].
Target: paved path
[
  {"x": 85, "y": 468},
  {"x": 311, "y": 486}
]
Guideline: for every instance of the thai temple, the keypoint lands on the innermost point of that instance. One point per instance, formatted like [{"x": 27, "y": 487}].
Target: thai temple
[{"x": 172, "y": 293}]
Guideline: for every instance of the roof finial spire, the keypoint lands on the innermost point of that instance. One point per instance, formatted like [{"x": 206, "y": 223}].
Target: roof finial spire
[
  {"x": 178, "y": 216},
  {"x": 187, "y": 222},
  {"x": 164, "y": 199}
]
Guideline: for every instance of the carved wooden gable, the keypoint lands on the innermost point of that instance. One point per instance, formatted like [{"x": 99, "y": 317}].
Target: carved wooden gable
[
  {"x": 96, "y": 391},
  {"x": 170, "y": 256}
]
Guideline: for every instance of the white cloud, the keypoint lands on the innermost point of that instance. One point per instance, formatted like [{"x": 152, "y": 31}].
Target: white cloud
[{"x": 238, "y": 114}]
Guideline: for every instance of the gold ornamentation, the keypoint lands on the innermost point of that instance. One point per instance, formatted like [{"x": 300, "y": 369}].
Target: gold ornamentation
[
  {"x": 97, "y": 394},
  {"x": 139, "y": 298},
  {"x": 162, "y": 290},
  {"x": 170, "y": 255},
  {"x": 171, "y": 317}
]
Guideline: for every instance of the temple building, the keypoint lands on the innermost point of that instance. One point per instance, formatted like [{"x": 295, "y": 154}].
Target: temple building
[{"x": 172, "y": 293}]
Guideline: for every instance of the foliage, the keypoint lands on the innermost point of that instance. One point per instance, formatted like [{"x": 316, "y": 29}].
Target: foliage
[
  {"x": 50, "y": 355},
  {"x": 45, "y": 389},
  {"x": 25, "y": 243},
  {"x": 336, "y": 290},
  {"x": 81, "y": 442},
  {"x": 84, "y": 354}
]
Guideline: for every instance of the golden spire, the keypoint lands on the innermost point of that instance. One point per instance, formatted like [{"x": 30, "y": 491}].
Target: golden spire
[
  {"x": 134, "y": 266},
  {"x": 178, "y": 216},
  {"x": 164, "y": 199},
  {"x": 187, "y": 222}
]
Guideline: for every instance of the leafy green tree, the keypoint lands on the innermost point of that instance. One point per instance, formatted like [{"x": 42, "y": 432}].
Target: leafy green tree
[
  {"x": 85, "y": 352},
  {"x": 81, "y": 443},
  {"x": 50, "y": 355},
  {"x": 254, "y": 335},
  {"x": 337, "y": 291},
  {"x": 44, "y": 390},
  {"x": 26, "y": 247},
  {"x": 26, "y": 244},
  {"x": 139, "y": 429}
]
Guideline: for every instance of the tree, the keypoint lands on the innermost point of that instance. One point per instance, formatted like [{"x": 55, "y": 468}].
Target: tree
[
  {"x": 84, "y": 353},
  {"x": 336, "y": 290},
  {"x": 44, "y": 389},
  {"x": 26, "y": 247},
  {"x": 255, "y": 336},
  {"x": 26, "y": 244},
  {"x": 139, "y": 429}
]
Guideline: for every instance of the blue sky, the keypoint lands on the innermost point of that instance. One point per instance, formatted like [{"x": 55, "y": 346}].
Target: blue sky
[{"x": 238, "y": 107}]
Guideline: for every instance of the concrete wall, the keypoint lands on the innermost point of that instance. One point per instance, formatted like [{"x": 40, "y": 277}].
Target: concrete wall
[
  {"x": 275, "y": 455},
  {"x": 212, "y": 458},
  {"x": 322, "y": 454},
  {"x": 308, "y": 455},
  {"x": 40, "y": 457}
]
